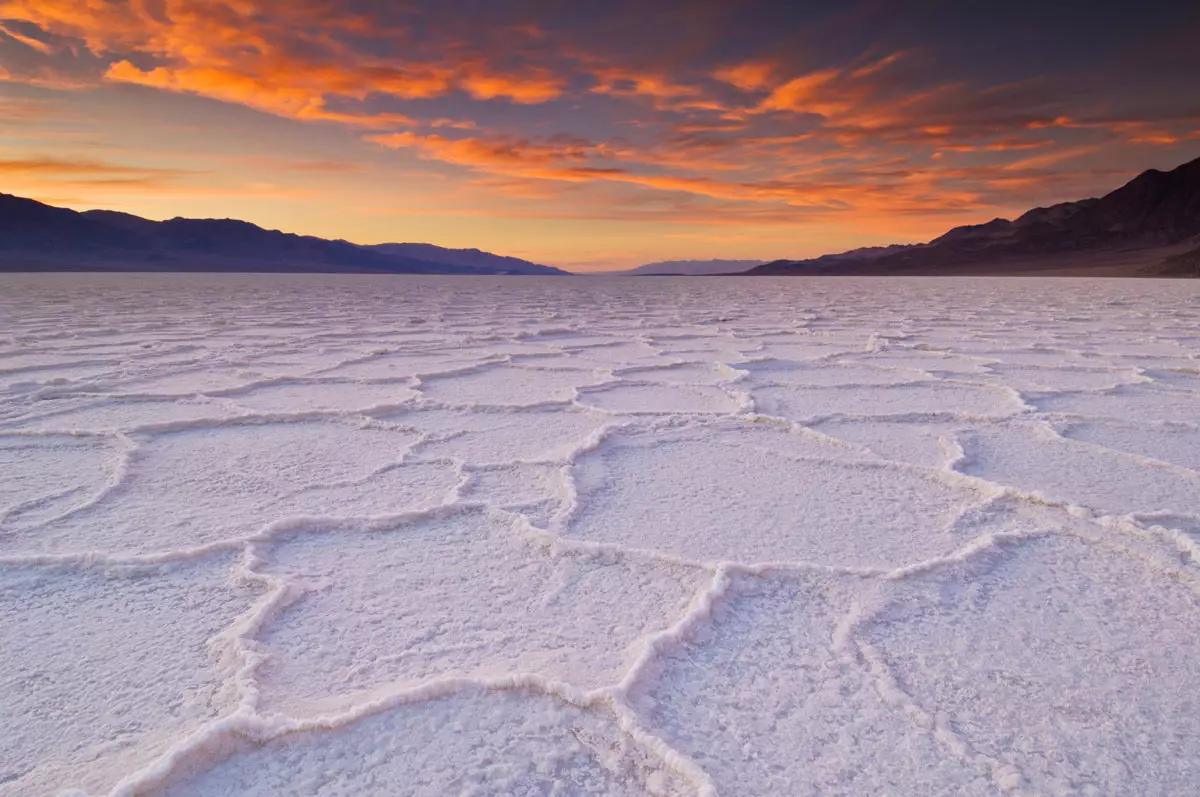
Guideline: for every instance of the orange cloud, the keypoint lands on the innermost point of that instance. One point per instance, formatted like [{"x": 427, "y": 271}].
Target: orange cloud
[
  {"x": 532, "y": 88},
  {"x": 748, "y": 76},
  {"x": 35, "y": 44},
  {"x": 492, "y": 151},
  {"x": 873, "y": 102},
  {"x": 284, "y": 61},
  {"x": 54, "y": 167},
  {"x": 299, "y": 100},
  {"x": 809, "y": 93},
  {"x": 828, "y": 92},
  {"x": 1005, "y": 145},
  {"x": 41, "y": 175},
  {"x": 663, "y": 93},
  {"x": 1135, "y": 131},
  {"x": 584, "y": 162}
]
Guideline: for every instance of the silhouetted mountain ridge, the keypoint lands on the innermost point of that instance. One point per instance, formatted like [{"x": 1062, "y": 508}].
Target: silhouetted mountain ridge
[
  {"x": 1131, "y": 231},
  {"x": 39, "y": 237},
  {"x": 469, "y": 258}
]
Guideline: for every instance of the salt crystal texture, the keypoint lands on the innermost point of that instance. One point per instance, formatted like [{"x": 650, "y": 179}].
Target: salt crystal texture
[{"x": 420, "y": 535}]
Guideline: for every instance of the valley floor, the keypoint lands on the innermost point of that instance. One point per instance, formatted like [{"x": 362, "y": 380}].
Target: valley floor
[{"x": 266, "y": 534}]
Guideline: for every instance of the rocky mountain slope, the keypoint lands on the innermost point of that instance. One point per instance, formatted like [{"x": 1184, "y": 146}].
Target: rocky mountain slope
[{"x": 1146, "y": 227}]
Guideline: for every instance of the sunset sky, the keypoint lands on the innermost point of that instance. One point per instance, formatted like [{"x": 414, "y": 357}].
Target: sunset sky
[{"x": 593, "y": 135}]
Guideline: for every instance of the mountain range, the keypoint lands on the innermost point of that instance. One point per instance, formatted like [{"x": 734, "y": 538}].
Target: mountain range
[
  {"x": 1148, "y": 227},
  {"x": 39, "y": 237},
  {"x": 679, "y": 268}
]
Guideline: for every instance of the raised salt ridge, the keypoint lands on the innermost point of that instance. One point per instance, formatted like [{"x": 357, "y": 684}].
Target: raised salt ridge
[{"x": 417, "y": 535}]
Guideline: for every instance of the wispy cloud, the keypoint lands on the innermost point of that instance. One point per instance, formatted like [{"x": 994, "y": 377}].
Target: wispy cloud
[
  {"x": 787, "y": 117},
  {"x": 59, "y": 167}
]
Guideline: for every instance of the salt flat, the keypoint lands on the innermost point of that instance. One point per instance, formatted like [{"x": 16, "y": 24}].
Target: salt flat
[{"x": 414, "y": 535}]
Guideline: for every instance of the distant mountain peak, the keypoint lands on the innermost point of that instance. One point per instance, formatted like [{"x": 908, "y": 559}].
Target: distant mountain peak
[
  {"x": 466, "y": 258},
  {"x": 1130, "y": 230},
  {"x": 691, "y": 267},
  {"x": 39, "y": 237}
]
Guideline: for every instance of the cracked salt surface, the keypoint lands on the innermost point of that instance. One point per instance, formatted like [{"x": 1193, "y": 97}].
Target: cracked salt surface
[{"x": 329, "y": 535}]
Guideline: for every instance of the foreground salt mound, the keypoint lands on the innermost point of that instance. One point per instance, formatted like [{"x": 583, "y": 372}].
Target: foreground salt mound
[
  {"x": 934, "y": 398},
  {"x": 660, "y": 398},
  {"x": 499, "y": 435},
  {"x": 103, "y": 669},
  {"x": 300, "y": 396},
  {"x": 46, "y": 476},
  {"x": 1142, "y": 402},
  {"x": 194, "y": 380},
  {"x": 619, "y": 354},
  {"x": 929, "y": 444},
  {"x": 767, "y": 670},
  {"x": 1182, "y": 375},
  {"x": 1031, "y": 456},
  {"x": 114, "y": 415},
  {"x": 943, "y": 364},
  {"x": 222, "y": 488},
  {"x": 17, "y": 379},
  {"x": 472, "y": 742},
  {"x": 1087, "y": 694},
  {"x": 456, "y": 595},
  {"x": 395, "y": 365},
  {"x": 828, "y": 374},
  {"x": 819, "y": 504},
  {"x": 690, "y": 373},
  {"x": 1047, "y": 379},
  {"x": 790, "y": 349},
  {"x": 513, "y": 486},
  {"x": 507, "y": 385},
  {"x": 1177, "y": 443},
  {"x": 1039, "y": 355},
  {"x": 715, "y": 347}
]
